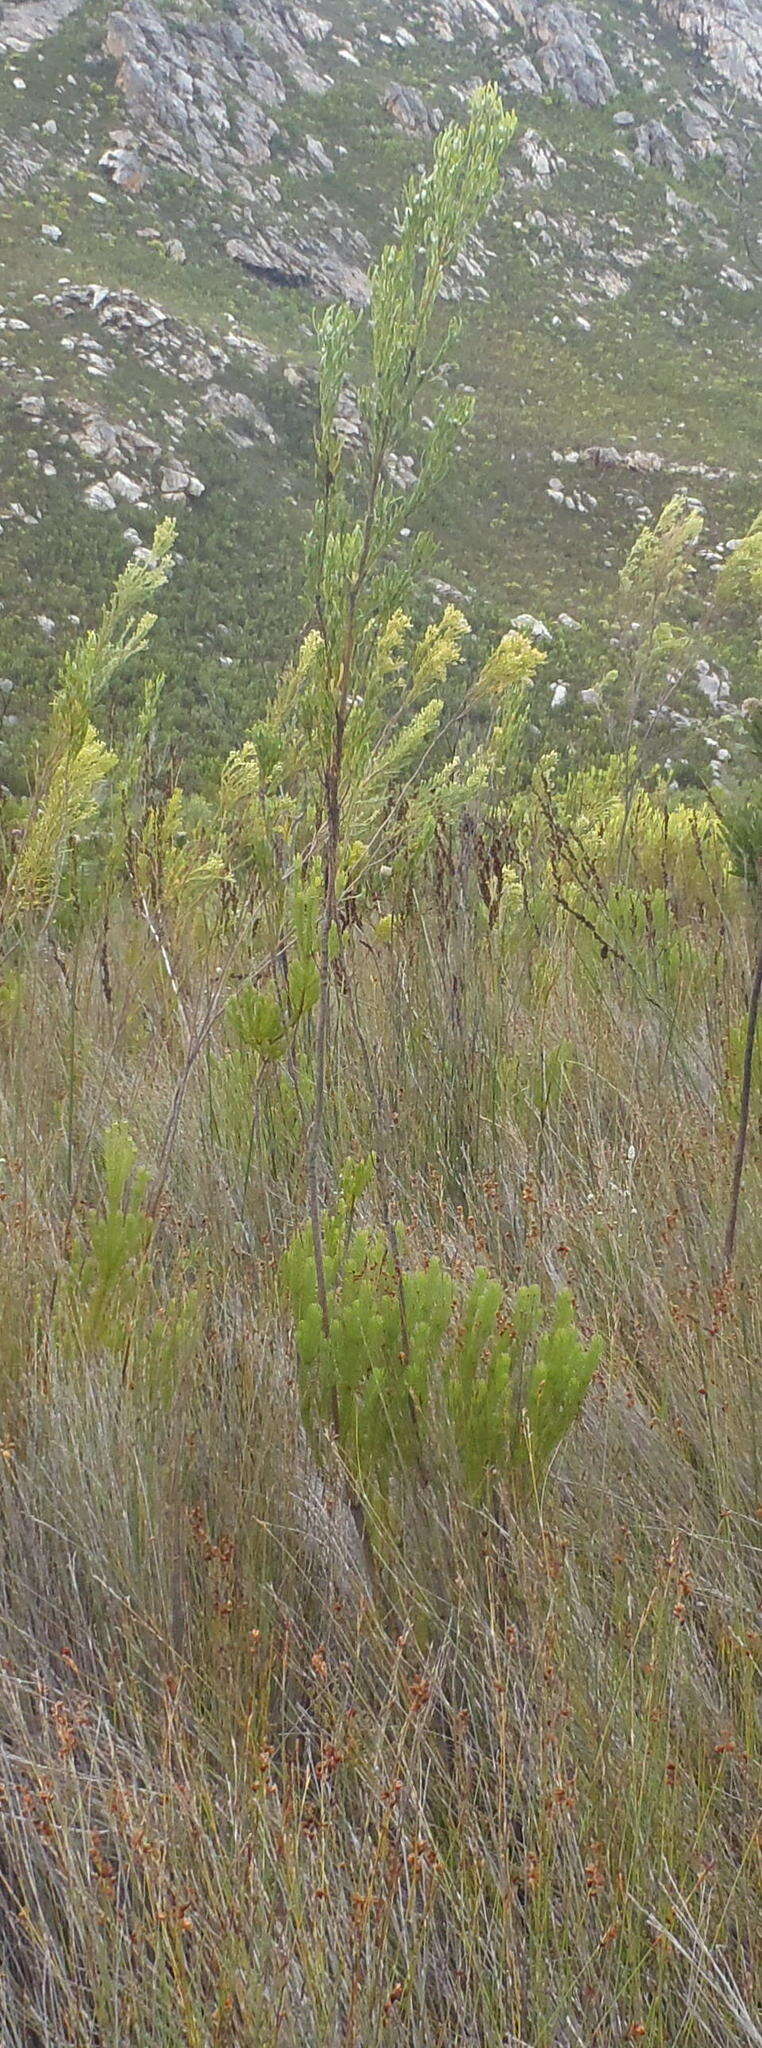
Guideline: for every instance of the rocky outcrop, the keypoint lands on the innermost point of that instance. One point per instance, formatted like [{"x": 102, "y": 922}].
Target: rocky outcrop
[
  {"x": 569, "y": 57},
  {"x": 201, "y": 94},
  {"x": 563, "y": 46},
  {"x": 103, "y": 440},
  {"x": 30, "y": 21},
  {"x": 171, "y": 347},
  {"x": 521, "y": 75},
  {"x": 122, "y": 165},
  {"x": 542, "y": 160},
  {"x": 409, "y": 111},
  {"x": 176, "y": 483},
  {"x": 312, "y": 267},
  {"x": 699, "y": 134},
  {"x": 244, "y": 420},
  {"x": 657, "y": 146},
  {"x": 726, "y": 32},
  {"x": 644, "y": 462},
  {"x": 174, "y": 87},
  {"x": 565, "y": 56}
]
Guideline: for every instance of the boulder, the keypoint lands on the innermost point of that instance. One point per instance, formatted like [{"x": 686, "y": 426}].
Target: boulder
[
  {"x": 699, "y": 134},
  {"x": 656, "y": 146},
  {"x": 124, "y": 168},
  {"x": 122, "y": 486},
  {"x": 714, "y": 684},
  {"x": 409, "y": 111},
  {"x": 222, "y": 406},
  {"x": 97, "y": 438},
  {"x": 535, "y": 629},
  {"x": 177, "y": 482},
  {"x": 99, "y": 498}
]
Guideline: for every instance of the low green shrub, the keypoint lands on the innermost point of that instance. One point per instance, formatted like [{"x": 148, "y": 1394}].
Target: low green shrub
[{"x": 400, "y": 1349}]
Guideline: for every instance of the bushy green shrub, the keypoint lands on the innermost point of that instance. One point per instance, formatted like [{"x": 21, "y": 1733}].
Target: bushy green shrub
[{"x": 400, "y": 1351}]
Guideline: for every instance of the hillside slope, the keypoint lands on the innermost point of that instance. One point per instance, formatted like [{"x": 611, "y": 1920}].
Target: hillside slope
[{"x": 181, "y": 187}]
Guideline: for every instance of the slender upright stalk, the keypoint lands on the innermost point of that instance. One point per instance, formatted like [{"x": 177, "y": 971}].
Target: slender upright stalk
[
  {"x": 743, "y": 1120},
  {"x": 72, "y": 1069}
]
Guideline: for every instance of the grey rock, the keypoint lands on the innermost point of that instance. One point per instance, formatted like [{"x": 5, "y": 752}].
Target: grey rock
[
  {"x": 540, "y": 157},
  {"x": 699, "y": 134},
  {"x": 624, "y": 120},
  {"x": 728, "y": 32},
  {"x": 30, "y": 21},
  {"x": 223, "y": 406},
  {"x": 124, "y": 168},
  {"x": 736, "y": 279},
  {"x": 641, "y": 461},
  {"x": 50, "y": 232},
  {"x": 97, "y": 438},
  {"x": 314, "y": 267},
  {"x": 657, "y": 146},
  {"x": 521, "y": 75},
  {"x": 99, "y": 498},
  {"x": 714, "y": 684},
  {"x": 732, "y": 160},
  {"x": 409, "y": 110},
  {"x": 125, "y": 487},
  {"x": 401, "y": 471},
  {"x": 176, "y": 250},
  {"x": 317, "y": 154},
  {"x": 199, "y": 92},
  {"x": 570, "y": 58},
  {"x": 525, "y": 622},
  {"x": 178, "y": 482}
]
